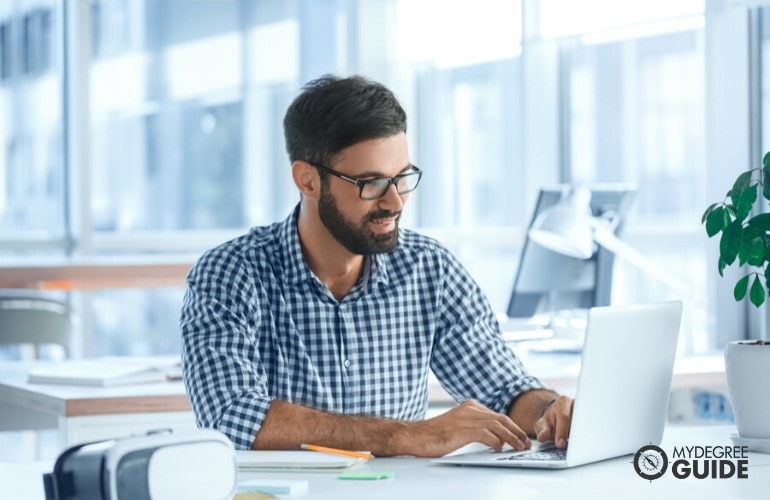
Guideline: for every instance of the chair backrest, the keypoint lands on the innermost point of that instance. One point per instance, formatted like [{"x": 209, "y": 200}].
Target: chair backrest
[{"x": 32, "y": 317}]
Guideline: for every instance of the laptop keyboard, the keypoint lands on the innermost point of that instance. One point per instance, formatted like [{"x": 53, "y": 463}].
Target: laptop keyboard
[{"x": 547, "y": 454}]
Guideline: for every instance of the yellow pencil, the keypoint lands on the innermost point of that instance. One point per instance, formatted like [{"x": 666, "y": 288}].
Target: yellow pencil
[{"x": 335, "y": 451}]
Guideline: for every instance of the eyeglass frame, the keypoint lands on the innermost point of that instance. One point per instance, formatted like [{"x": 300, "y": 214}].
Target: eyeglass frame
[{"x": 361, "y": 183}]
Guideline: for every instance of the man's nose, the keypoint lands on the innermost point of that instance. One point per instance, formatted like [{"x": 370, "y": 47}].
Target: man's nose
[{"x": 391, "y": 200}]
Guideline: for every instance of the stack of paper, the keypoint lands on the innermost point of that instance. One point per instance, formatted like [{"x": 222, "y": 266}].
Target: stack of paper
[
  {"x": 294, "y": 460},
  {"x": 102, "y": 372}
]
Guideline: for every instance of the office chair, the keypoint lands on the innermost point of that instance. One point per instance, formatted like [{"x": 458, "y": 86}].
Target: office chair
[{"x": 32, "y": 317}]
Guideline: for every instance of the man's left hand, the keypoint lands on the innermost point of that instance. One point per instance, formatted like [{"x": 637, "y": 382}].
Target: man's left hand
[{"x": 554, "y": 425}]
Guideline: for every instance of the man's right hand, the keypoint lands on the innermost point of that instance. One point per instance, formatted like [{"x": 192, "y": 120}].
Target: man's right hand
[{"x": 464, "y": 424}]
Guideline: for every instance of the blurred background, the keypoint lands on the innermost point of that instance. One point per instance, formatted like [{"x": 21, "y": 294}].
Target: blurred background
[{"x": 153, "y": 127}]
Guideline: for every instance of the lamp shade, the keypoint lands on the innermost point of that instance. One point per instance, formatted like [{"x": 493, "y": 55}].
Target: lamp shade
[{"x": 567, "y": 227}]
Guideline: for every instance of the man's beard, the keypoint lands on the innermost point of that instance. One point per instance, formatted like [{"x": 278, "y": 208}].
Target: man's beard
[{"x": 358, "y": 240}]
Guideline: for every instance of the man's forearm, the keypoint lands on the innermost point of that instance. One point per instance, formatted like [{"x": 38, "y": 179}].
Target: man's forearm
[{"x": 287, "y": 425}]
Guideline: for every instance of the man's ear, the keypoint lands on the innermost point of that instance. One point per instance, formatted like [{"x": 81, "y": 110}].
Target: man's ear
[{"x": 306, "y": 179}]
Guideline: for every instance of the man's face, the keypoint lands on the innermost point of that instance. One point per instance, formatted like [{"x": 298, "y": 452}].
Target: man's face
[{"x": 365, "y": 226}]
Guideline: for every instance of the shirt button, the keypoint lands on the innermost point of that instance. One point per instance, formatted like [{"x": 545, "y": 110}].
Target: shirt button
[{"x": 347, "y": 363}]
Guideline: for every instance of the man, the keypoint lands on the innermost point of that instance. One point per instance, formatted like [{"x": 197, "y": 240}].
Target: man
[{"x": 323, "y": 328}]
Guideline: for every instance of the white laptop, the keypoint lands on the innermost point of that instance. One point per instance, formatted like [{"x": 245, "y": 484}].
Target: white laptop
[{"x": 622, "y": 392}]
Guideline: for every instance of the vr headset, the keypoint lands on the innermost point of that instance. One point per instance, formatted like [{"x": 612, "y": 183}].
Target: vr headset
[{"x": 195, "y": 465}]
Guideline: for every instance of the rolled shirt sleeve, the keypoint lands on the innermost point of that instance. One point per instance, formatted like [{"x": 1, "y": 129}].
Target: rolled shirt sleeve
[
  {"x": 470, "y": 358},
  {"x": 225, "y": 380}
]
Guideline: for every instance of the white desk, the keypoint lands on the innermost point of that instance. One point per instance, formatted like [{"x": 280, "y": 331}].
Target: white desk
[
  {"x": 91, "y": 413},
  {"x": 83, "y": 413},
  {"x": 418, "y": 478}
]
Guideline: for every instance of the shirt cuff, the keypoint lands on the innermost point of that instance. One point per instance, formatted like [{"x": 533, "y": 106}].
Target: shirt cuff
[
  {"x": 243, "y": 419},
  {"x": 522, "y": 385}
]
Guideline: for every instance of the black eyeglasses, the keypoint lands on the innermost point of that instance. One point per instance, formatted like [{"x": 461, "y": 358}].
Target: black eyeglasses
[{"x": 372, "y": 189}]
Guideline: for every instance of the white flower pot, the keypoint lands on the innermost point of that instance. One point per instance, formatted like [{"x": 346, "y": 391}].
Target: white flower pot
[{"x": 747, "y": 366}]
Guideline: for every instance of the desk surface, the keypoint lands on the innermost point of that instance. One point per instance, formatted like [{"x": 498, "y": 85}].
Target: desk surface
[
  {"x": 75, "y": 401},
  {"x": 419, "y": 478}
]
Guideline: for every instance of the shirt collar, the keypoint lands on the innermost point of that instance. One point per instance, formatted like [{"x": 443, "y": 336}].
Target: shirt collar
[{"x": 295, "y": 269}]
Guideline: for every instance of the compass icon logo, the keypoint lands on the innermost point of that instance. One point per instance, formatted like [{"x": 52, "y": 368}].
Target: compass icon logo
[{"x": 650, "y": 462}]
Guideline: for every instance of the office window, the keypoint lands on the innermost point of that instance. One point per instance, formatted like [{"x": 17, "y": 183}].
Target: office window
[
  {"x": 601, "y": 20},
  {"x": 185, "y": 109},
  {"x": 184, "y": 143},
  {"x": 5, "y": 51},
  {"x": 634, "y": 112},
  {"x": 168, "y": 145},
  {"x": 193, "y": 141},
  {"x": 764, "y": 35},
  {"x": 466, "y": 113},
  {"x": 32, "y": 167},
  {"x": 36, "y": 41},
  {"x": 466, "y": 110},
  {"x": 638, "y": 117}
]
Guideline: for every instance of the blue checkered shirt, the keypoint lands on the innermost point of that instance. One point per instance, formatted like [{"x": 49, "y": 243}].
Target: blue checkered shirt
[{"x": 258, "y": 325}]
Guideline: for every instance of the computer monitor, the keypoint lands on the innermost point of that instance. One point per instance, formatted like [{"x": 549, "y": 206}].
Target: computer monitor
[{"x": 547, "y": 282}]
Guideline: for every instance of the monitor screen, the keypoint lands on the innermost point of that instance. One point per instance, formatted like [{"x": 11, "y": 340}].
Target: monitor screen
[{"x": 547, "y": 282}]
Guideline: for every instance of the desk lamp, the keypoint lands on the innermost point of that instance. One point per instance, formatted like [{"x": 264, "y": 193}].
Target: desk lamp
[{"x": 569, "y": 228}]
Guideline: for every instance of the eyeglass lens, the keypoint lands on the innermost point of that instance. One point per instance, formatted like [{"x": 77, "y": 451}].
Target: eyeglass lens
[{"x": 376, "y": 188}]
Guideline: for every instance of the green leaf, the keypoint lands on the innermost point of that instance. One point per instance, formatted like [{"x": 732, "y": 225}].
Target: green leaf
[
  {"x": 740, "y": 288},
  {"x": 708, "y": 211},
  {"x": 766, "y": 160},
  {"x": 739, "y": 186},
  {"x": 757, "y": 292},
  {"x": 752, "y": 249},
  {"x": 721, "y": 265},
  {"x": 767, "y": 276},
  {"x": 757, "y": 255},
  {"x": 746, "y": 201},
  {"x": 715, "y": 221},
  {"x": 751, "y": 232},
  {"x": 730, "y": 242},
  {"x": 761, "y": 222}
]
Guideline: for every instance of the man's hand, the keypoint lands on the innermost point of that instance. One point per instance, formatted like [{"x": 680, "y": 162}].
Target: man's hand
[
  {"x": 466, "y": 423},
  {"x": 543, "y": 414},
  {"x": 555, "y": 423}
]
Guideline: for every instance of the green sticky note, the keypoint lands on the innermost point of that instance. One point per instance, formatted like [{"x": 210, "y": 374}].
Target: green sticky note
[{"x": 365, "y": 475}]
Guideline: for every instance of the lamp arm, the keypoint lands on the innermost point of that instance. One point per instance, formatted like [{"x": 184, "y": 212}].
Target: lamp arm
[{"x": 608, "y": 240}]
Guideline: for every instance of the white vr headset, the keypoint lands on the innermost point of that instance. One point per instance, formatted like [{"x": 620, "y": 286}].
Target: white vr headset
[{"x": 195, "y": 465}]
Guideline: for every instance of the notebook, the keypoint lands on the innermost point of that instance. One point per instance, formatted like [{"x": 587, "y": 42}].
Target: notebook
[
  {"x": 254, "y": 460},
  {"x": 622, "y": 391},
  {"x": 110, "y": 371}
]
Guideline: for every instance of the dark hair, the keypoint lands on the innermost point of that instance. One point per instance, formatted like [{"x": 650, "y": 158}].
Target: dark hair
[{"x": 333, "y": 113}]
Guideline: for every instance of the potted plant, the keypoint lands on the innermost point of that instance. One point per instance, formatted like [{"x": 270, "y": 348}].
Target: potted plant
[{"x": 743, "y": 221}]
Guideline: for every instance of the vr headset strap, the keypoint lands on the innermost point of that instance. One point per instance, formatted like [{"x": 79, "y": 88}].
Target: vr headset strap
[{"x": 58, "y": 484}]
